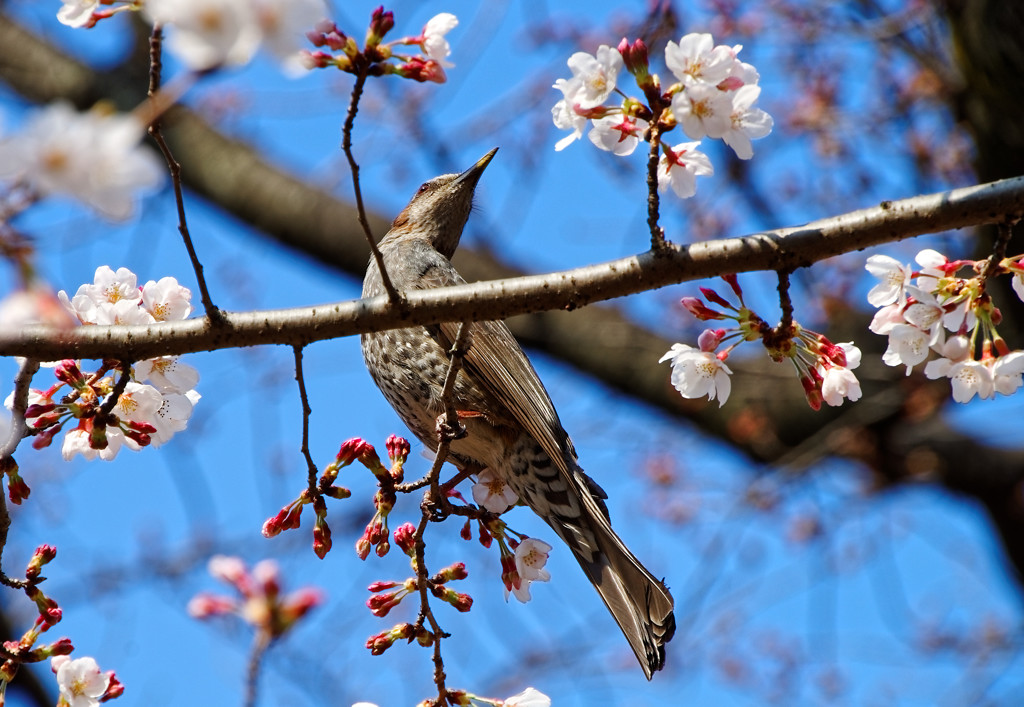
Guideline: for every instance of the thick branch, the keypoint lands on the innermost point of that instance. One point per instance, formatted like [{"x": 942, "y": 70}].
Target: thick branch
[{"x": 782, "y": 249}]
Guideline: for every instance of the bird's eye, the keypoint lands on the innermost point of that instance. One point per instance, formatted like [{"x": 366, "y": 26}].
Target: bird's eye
[{"x": 423, "y": 188}]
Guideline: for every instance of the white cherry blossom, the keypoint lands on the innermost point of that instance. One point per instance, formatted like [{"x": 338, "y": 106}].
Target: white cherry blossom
[
  {"x": 679, "y": 168},
  {"x": 493, "y": 493},
  {"x": 435, "y": 45},
  {"x": 746, "y": 122},
  {"x": 894, "y": 277},
  {"x": 696, "y": 373}
]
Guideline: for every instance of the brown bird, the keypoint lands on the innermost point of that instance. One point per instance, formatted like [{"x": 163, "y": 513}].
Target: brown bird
[{"x": 512, "y": 427}]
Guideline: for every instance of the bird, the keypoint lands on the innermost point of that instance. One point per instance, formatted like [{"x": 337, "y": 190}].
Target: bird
[{"x": 511, "y": 426}]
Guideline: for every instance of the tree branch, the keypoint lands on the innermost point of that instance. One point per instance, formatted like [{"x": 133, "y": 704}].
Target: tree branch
[{"x": 780, "y": 249}]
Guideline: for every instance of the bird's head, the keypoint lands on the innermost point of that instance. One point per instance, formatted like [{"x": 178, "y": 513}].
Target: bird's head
[{"x": 440, "y": 207}]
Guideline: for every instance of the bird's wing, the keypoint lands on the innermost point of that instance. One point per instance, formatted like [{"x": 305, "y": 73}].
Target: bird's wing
[{"x": 498, "y": 365}]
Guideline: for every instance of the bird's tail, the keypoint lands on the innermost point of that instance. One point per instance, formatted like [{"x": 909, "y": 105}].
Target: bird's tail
[
  {"x": 573, "y": 505},
  {"x": 640, "y": 604}
]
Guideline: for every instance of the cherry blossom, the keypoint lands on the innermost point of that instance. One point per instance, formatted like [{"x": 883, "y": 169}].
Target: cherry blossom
[
  {"x": 696, "y": 373},
  {"x": 80, "y": 681},
  {"x": 92, "y": 157},
  {"x": 530, "y": 557},
  {"x": 565, "y": 117},
  {"x": 703, "y": 110},
  {"x": 530, "y": 697},
  {"x": 838, "y": 382},
  {"x": 593, "y": 77},
  {"x": 894, "y": 278},
  {"x": 908, "y": 346},
  {"x": 680, "y": 166},
  {"x": 166, "y": 300},
  {"x": 77, "y": 13},
  {"x": 970, "y": 378},
  {"x": 493, "y": 493},
  {"x": 695, "y": 59},
  {"x": 206, "y": 34},
  {"x": 435, "y": 45},
  {"x": 746, "y": 122},
  {"x": 618, "y": 134}
]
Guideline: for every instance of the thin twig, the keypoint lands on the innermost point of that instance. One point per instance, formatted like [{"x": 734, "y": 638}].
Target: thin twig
[
  {"x": 653, "y": 200},
  {"x": 252, "y": 673},
  {"x": 785, "y": 303},
  {"x": 18, "y": 431},
  {"x": 435, "y": 499},
  {"x": 155, "y": 67},
  {"x": 394, "y": 295},
  {"x": 306, "y": 412},
  {"x": 22, "y": 384}
]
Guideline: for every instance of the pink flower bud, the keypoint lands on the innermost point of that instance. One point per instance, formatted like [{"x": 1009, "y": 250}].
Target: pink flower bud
[
  {"x": 709, "y": 339},
  {"x": 453, "y": 572},
  {"x": 17, "y": 489},
  {"x": 43, "y": 439},
  {"x": 43, "y": 555},
  {"x": 382, "y": 584},
  {"x": 37, "y": 409},
  {"x": 204, "y": 605},
  {"x": 363, "y": 548},
  {"x": 419, "y": 69},
  {"x": 712, "y": 296},
  {"x": 67, "y": 371},
  {"x": 634, "y": 57},
  {"x": 700, "y": 310},
  {"x": 381, "y": 604},
  {"x": 300, "y": 602},
  {"x": 356, "y": 448},
  {"x": 398, "y": 448},
  {"x": 60, "y": 647},
  {"x": 380, "y": 643},
  {"x": 321, "y": 539},
  {"x": 381, "y": 23},
  {"x": 734, "y": 283},
  {"x": 405, "y": 538},
  {"x": 114, "y": 688}
]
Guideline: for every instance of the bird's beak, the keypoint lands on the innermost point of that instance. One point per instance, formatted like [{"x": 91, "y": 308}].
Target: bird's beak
[{"x": 473, "y": 173}]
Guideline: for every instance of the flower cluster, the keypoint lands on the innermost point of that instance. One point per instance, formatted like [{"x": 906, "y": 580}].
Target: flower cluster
[
  {"x": 262, "y": 604},
  {"x": 825, "y": 369},
  {"x": 156, "y": 401},
  {"x": 713, "y": 95},
  {"x": 376, "y": 533},
  {"x": 932, "y": 309},
  {"x": 93, "y": 157},
  {"x": 379, "y": 58},
  {"x": 82, "y": 684},
  {"x": 388, "y": 594}
]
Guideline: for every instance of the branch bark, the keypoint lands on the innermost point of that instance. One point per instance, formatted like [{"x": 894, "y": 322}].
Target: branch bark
[{"x": 782, "y": 249}]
